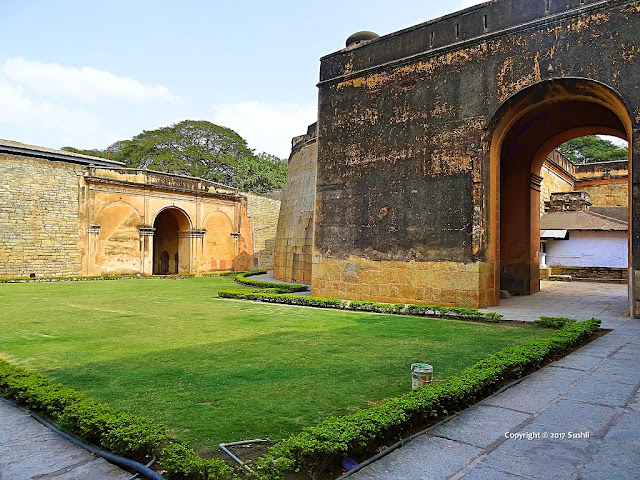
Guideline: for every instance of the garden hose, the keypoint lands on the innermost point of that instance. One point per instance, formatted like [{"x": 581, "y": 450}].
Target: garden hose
[{"x": 110, "y": 457}]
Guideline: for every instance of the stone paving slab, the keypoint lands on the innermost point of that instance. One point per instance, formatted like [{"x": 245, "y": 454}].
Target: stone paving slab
[
  {"x": 478, "y": 425},
  {"x": 620, "y": 368},
  {"x": 578, "y": 361},
  {"x": 539, "y": 459},
  {"x": 29, "y": 450},
  {"x": 548, "y": 386},
  {"x": 603, "y": 390},
  {"x": 623, "y": 437},
  {"x": 484, "y": 473},
  {"x": 567, "y": 416},
  {"x": 424, "y": 458}
]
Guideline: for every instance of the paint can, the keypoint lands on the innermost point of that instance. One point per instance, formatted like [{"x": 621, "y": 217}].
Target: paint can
[{"x": 421, "y": 374}]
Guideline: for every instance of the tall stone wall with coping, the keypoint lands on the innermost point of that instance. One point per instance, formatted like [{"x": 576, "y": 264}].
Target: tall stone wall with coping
[
  {"x": 39, "y": 217},
  {"x": 264, "y": 213}
]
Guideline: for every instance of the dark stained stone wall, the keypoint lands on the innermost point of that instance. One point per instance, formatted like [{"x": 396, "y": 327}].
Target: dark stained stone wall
[{"x": 403, "y": 140}]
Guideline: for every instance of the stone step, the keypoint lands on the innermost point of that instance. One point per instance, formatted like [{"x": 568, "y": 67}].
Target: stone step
[{"x": 560, "y": 278}]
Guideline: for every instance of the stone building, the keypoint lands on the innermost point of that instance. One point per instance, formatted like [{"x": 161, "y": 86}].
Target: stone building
[
  {"x": 431, "y": 142},
  {"x": 607, "y": 183},
  {"x": 64, "y": 214}
]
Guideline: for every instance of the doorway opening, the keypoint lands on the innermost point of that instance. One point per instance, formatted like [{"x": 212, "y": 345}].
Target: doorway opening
[{"x": 171, "y": 250}]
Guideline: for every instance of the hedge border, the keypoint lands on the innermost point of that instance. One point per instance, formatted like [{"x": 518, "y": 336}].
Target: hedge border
[
  {"x": 94, "y": 278},
  {"x": 96, "y": 422},
  {"x": 274, "y": 295},
  {"x": 353, "y": 434},
  {"x": 280, "y": 287}
]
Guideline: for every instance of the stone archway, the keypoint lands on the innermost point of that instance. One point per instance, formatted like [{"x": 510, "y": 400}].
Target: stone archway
[
  {"x": 524, "y": 130},
  {"x": 171, "y": 242}
]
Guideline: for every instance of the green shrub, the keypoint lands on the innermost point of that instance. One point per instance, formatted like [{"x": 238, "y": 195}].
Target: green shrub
[
  {"x": 95, "y": 421},
  {"x": 281, "y": 287},
  {"x": 278, "y": 296},
  {"x": 180, "y": 462},
  {"x": 553, "y": 322},
  {"x": 88, "y": 418},
  {"x": 132, "y": 436}
]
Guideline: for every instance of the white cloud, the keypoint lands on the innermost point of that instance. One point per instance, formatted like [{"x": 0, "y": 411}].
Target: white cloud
[
  {"x": 42, "y": 115},
  {"x": 84, "y": 84},
  {"x": 267, "y": 127}
]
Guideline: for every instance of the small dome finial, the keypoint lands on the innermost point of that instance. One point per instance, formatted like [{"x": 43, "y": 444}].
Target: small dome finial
[{"x": 359, "y": 37}]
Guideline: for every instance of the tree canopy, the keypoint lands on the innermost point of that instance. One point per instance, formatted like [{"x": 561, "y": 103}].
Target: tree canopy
[
  {"x": 592, "y": 149},
  {"x": 199, "y": 149}
]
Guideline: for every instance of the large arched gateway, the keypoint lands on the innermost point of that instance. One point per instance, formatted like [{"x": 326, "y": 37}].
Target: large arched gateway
[
  {"x": 524, "y": 130},
  {"x": 431, "y": 139}
]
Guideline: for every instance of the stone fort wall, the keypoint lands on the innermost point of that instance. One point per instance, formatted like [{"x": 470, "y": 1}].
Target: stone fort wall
[
  {"x": 39, "y": 217},
  {"x": 294, "y": 241},
  {"x": 264, "y": 213}
]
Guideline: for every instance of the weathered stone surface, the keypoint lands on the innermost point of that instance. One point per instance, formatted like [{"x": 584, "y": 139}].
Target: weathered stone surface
[
  {"x": 39, "y": 218},
  {"x": 426, "y": 457},
  {"x": 431, "y": 139},
  {"x": 263, "y": 212},
  {"x": 294, "y": 239}
]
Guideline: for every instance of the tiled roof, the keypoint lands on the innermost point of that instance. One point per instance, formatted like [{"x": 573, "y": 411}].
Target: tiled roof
[
  {"x": 620, "y": 213},
  {"x": 580, "y": 220},
  {"x": 17, "y": 148}
]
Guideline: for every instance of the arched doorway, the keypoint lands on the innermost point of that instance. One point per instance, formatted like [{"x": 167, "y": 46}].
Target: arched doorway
[
  {"x": 171, "y": 249},
  {"x": 524, "y": 130}
]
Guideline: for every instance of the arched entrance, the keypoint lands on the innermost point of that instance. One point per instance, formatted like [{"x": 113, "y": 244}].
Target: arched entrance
[
  {"x": 171, "y": 249},
  {"x": 524, "y": 130}
]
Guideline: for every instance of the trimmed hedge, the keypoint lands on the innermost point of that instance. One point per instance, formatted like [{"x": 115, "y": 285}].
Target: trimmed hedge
[
  {"x": 553, "y": 322},
  {"x": 358, "y": 433},
  {"x": 181, "y": 462},
  {"x": 278, "y": 296},
  {"x": 280, "y": 287},
  {"x": 91, "y": 278},
  {"x": 124, "y": 434}
]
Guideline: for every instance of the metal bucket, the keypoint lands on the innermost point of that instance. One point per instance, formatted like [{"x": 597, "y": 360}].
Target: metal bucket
[{"x": 421, "y": 374}]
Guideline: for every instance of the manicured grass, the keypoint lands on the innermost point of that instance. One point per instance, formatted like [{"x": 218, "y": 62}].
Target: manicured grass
[{"x": 221, "y": 370}]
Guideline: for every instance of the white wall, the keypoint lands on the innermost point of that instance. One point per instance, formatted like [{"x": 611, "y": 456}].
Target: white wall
[{"x": 589, "y": 249}]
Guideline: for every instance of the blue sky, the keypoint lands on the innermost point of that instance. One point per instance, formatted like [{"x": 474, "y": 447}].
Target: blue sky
[{"x": 87, "y": 73}]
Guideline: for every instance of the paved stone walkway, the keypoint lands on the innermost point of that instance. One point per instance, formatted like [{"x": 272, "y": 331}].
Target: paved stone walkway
[
  {"x": 524, "y": 432},
  {"x": 579, "y": 300},
  {"x": 29, "y": 450}
]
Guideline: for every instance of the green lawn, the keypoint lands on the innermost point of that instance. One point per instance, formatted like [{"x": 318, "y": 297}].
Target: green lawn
[{"x": 225, "y": 370}]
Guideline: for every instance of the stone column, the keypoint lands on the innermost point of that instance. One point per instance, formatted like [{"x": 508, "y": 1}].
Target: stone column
[
  {"x": 534, "y": 233},
  {"x": 197, "y": 247},
  {"x": 146, "y": 250},
  {"x": 92, "y": 248}
]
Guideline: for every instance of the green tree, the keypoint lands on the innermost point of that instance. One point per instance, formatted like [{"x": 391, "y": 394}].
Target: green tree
[
  {"x": 261, "y": 173},
  {"x": 91, "y": 152},
  {"x": 592, "y": 149},
  {"x": 201, "y": 149},
  {"x": 192, "y": 147}
]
